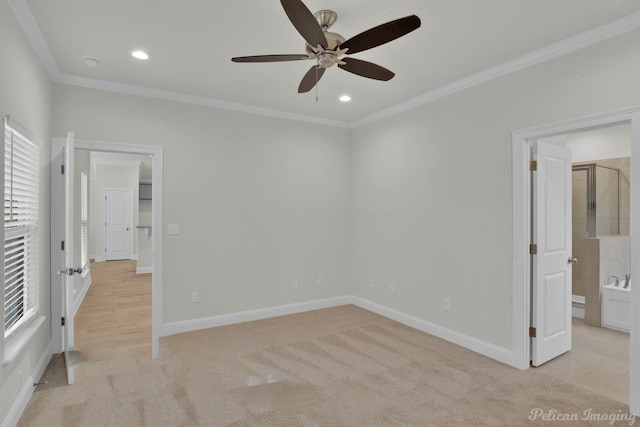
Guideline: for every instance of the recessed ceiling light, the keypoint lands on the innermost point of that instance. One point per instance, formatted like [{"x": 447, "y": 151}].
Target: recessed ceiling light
[
  {"x": 140, "y": 54},
  {"x": 345, "y": 98},
  {"x": 90, "y": 61}
]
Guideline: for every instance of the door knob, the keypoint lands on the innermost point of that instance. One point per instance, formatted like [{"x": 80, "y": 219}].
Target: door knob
[
  {"x": 69, "y": 271},
  {"x": 573, "y": 260}
]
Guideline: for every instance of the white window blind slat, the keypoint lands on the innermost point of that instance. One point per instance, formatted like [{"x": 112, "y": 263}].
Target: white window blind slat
[
  {"x": 21, "y": 211},
  {"x": 84, "y": 220}
]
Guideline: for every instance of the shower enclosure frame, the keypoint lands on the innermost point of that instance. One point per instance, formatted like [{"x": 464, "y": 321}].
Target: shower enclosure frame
[{"x": 592, "y": 203}]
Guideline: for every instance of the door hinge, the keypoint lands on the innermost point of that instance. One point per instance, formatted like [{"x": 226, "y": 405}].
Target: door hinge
[
  {"x": 533, "y": 165},
  {"x": 62, "y": 322},
  {"x": 62, "y": 245},
  {"x": 532, "y": 332},
  {"x": 533, "y": 249},
  {"x": 61, "y": 169}
]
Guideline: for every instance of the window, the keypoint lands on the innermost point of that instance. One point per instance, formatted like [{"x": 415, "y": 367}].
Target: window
[
  {"x": 21, "y": 206},
  {"x": 84, "y": 221}
]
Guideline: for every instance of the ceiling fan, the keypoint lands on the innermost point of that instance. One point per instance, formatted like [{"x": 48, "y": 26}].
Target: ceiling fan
[{"x": 328, "y": 48}]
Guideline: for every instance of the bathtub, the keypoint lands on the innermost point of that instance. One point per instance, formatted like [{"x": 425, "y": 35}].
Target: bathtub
[{"x": 616, "y": 307}]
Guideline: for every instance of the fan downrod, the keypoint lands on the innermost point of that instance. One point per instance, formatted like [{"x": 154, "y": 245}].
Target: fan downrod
[{"x": 326, "y": 18}]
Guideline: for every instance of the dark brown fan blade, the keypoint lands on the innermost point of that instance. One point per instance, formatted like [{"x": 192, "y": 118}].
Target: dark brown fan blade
[
  {"x": 366, "y": 69},
  {"x": 304, "y": 21},
  {"x": 311, "y": 79},
  {"x": 270, "y": 58},
  {"x": 381, "y": 34}
]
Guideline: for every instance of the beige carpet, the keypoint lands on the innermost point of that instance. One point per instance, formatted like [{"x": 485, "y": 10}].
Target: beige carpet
[{"x": 337, "y": 367}]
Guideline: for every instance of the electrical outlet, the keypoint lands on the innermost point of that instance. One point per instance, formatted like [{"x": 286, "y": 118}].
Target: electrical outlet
[
  {"x": 295, "y": 284},
  {"x": 195, "y": 297},
  {"x": 320, "y": 281},
  {"x": 447, "y": 304},
  {"x": 392, "y": 288},
  {"x": 370, "y": 283}
]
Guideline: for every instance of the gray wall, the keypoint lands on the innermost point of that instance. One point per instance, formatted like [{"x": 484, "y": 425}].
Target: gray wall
[
  {"x": 422, "y": 200},
  {"x": 432, "y": 192},
  {"x": 260, "y": 201},
  {"x": 25, "y": 94}
]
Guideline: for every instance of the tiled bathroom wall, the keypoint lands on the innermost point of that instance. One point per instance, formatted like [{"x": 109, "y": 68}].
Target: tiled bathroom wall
[
  {"x": 605, "y": 257},
  {"x": 609, "y": 210}
]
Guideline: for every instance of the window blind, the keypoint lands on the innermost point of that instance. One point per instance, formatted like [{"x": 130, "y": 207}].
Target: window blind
[
  {"x": 84, "y": 221},
  {"x": 21, "y": 208}
]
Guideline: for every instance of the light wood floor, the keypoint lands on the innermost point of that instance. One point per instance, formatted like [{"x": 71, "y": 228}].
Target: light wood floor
[
  {"x": 115, "y": 316},
  {"x": 115, "y": 319}
]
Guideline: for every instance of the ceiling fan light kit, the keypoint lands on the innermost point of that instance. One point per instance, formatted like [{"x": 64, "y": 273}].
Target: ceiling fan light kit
[{"x": 328, "y": 48}]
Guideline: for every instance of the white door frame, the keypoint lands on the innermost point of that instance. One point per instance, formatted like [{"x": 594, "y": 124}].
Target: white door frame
[
  {"x": 104, "y": 218},
  {"x": 522, "y": 226},
  {"x": 157, "y": 154}
]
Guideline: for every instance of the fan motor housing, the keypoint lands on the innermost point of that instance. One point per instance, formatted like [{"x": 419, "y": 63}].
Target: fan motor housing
[{"x": 333, "y": 40}]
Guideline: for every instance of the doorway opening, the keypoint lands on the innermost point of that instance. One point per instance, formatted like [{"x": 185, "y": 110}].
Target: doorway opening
[
  {"x": 154, "y": 252},
  {"x": 114, "y": 318},
  {"x": 600, "y": 226},
  {"x": 522, "y": 221}
]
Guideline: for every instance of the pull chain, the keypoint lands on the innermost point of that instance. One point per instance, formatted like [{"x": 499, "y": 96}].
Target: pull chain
[{"x": 317, "y": 79}]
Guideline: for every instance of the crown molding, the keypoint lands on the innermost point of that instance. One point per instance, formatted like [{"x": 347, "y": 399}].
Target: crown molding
[
  {"x": 116, "y": 162},
  {"x": 166, "y": 95},
  {"x": 554, "y": 50},
  {"x": 31, "y": 29},
  {"x": 26, "y": 20}
]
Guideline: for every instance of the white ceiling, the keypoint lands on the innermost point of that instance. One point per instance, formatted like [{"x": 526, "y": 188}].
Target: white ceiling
[{"x": 192, "y": 43}]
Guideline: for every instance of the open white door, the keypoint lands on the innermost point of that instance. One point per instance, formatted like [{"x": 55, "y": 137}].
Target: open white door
[
  {"x": 62, "y": 251},
  {"x": 552, "y": 259}
]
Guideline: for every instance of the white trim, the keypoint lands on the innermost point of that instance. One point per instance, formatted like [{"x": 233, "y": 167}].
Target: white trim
[
  {"x": 498, "y": 353},
  {"x": 144, "y": 270},
  {"x": 116, "y": 162},
  {"x": 16, "y": 344},
  {"x": 578, "y": 299},
  {"x": 172, "y": 328},
  {"x": 157, "y": 154},
  {"x": 521, "y": 227},
  {"x": 166, "y": 95},
  {"x": 23, "y": 398},
  {"x": 86, "y": 284},
  {"x": 31, "y": 29},
  {"x": 562, "y": 47},
  {"x": 586, "y": 38},
  {"x": 577, "y": 312},
  {"x": 490, "y": 350},
  {"x": 15, "y": 125}
]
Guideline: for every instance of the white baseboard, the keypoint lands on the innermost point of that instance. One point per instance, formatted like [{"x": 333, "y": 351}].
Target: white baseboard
[
  {"x": 492, "y": 351},
  {"x": 172, "y": 328},
  {"x": 134, "y": 257},
  {"x": 144, "y": 270},
  {"x": 99, "y": 259},
  {"x": 86, "y": 284},
  {"x": 577, "y": 312},
  {"x": 487, "y": 349},
  {"x": 28, "y": 388}
]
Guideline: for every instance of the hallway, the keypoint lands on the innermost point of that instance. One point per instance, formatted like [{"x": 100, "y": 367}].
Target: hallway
[{"x": 115, "y": 316}]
